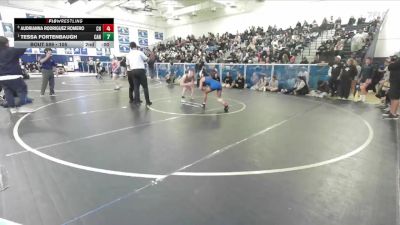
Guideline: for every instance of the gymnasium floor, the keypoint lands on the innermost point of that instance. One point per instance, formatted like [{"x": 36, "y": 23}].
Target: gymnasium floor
[{"x": 89, "y": 157}]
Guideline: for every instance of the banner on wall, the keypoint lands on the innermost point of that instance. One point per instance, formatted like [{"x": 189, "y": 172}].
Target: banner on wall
[
  {"x": 143, "y": 42},
  {"x": 83, "y": 51},
  {"x": 142, "y": 34},
  {"x": 123, "y": 30},
  {"x": 124, "y": 48},
  {"x": 159, "y": 35},
  {"x": 8, "y": 30},
  {"x": 77, "y": 51},
  {"x": 123, "y": 39},
  {"x": 143, "y": 38},
  {"x": 29, "y": 15}
]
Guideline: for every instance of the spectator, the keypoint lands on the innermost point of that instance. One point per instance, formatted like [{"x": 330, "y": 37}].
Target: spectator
[
  {"x": 349, "y": 72},
  {"x": 150, "y": 63},
  {"x": 170, "y": 78},
  {"x": 122, "y": 65},
  {"x": 91, "y": 65},
  {"x": 334, "y": 72},
  {"x": 273, "y": 85},
  {"x": 228, "y": 80},
  {"x": 260, "y": 85},
  {"x": 239, "y": 82},
  {"x": 299, "y": 88},
  {"x": 365, "y": 79},
  {"x": 358, "y": 41},
  {"x": 304, "y": 60},
  {"x": 383, "y": 87},
  {"x": 352, "y": 20},
  {"x": 116, "y": 71},
  {"x": 394, "y": 91}
]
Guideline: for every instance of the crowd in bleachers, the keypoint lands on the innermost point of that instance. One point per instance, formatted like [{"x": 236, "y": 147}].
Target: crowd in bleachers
[
  {"x": 270, "y": 45},
  {"x": 350, "y": 40},
  {"x": 254, "y": 45}
]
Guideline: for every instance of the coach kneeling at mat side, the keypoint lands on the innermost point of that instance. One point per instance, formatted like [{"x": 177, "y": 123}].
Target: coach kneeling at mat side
[
  {"x": 11, "y": 76},
  {"x": 48, "y": 65},
  {"x": 137, "y": 74}
]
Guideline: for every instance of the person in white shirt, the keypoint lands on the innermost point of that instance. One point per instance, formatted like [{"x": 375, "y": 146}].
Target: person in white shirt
[{"x": 137, "y": 74}]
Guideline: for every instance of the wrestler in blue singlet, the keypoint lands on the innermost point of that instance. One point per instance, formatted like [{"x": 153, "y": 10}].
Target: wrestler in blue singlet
[{"x": 213, "y": 84}]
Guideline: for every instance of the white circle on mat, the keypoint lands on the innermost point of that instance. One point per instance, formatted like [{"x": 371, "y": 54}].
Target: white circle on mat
[{"x": 196, "y": 174}]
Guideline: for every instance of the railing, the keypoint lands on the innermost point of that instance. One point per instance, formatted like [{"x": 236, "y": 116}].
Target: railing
[
  {"x": 371, "y": 49},
  {"x": 285, "y": 73}
]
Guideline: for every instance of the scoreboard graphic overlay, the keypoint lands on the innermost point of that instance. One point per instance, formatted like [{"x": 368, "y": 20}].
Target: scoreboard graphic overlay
[{"x": 64, "y": 32}]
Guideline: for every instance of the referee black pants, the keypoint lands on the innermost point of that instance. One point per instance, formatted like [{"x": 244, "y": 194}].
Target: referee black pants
[
  {"x": 139, "y": 78},
  {"x": 131, "y": 85}
]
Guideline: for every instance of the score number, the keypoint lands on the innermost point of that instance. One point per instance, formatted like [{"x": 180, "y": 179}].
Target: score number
[
  {"x": 108, "y": 32},
  {"x": 108, "y": 27}
]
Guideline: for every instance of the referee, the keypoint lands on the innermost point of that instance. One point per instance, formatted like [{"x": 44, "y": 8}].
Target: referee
[{"x": 137, "y": 74}]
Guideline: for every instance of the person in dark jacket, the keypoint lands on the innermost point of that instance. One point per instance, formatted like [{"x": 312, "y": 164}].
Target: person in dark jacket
[
  {"x": 349, "y": 72},
  {"x": 336, "y": 69},
  {"x": 239, "y": 82},
  {"x": 227, "y": 81},
  {"x": 366, "y": 74},
  {"x": 394, "y": 91},
  {"x": 11, "y": 77}
]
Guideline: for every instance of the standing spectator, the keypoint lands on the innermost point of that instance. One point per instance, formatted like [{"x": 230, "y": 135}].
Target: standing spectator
[
  {"x": 394, "y": 91},
  {"x": 48, "y": 65},
  {"x": 116, "y": 71},
  {"x": 335, "y": 70},
  {"x": 358, "y": 41},
  {"x": 383, "y": 86},
  {"x": 11, "y": 77},
  {"x": 135, "y": 62},
  {"x": 349, "y": 72},
  {"x": 91, "y": 65},
  {"x": 151, "y": 64},
  {"x": 352, "y": 20},
  {"x": 122, "y": 65},
  {"x": 99, "y": 69},
  {"x": 365, "y": 78}
]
